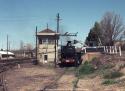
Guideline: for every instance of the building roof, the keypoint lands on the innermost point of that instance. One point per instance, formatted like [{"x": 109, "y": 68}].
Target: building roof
[{"x": 47, "y": 30}]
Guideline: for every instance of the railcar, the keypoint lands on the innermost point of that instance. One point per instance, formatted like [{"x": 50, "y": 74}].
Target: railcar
[
  {"x": 69, "y": 55},
  {"x": 5, "y": 55}
]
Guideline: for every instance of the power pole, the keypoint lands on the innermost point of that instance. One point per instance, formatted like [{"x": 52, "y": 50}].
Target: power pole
[
  {"x": 55, "y": 61},
  {"x": 7, "y": 47},
  {"x": 56, "y": 40},
  {"x": 36, "y": 46},
  {"x": 58, "y": 19}
]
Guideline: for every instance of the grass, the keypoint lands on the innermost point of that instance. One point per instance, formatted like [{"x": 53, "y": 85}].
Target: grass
[
  {"x": 88, "y": 69},
  {"x": 122, "y": 66},
  {"x": 75, "y": 83},
  {"x": 109, "y": 82},
  {"x": 108, "y": 66},
  {"x": 112, "y": 75},
  {"x": 85, "y": 69},
  {"x": 72, "y": 69}
]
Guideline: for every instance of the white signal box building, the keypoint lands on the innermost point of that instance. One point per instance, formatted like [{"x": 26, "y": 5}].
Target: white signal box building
[{"x": 46, "y": 46}]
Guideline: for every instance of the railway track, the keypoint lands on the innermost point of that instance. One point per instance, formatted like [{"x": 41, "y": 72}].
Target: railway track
[
  {"x": 15, "y": 60},
  {"x": 52, "y": 84},
  {"x": 7, "y": 65}
]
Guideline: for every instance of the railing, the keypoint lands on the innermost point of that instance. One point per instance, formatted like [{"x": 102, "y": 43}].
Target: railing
[{"x": 104, "y": 49}]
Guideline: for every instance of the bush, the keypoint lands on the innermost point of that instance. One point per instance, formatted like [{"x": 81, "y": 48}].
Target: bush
[
  {"x": 108, "y": 66},
  {"x": 86, "y": 62},
  {"x": 96, "y": 62},
  {"x": 111, "y": 75},
  {"x": 86, "y": 68},
  {"x": 109, "y": 82},
  {"x": 94, "y": 58}
]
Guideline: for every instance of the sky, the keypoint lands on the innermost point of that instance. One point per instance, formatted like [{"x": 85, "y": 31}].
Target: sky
[{"x": 18, "y": 18}]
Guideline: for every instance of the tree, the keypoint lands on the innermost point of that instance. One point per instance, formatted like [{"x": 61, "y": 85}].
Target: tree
[
  {"x": 21, "y": 45},
  {"x": 29, "y": 47},
  {"x": 112, "y": 28},
  {"x": 109, "y": 30},
  {"x": 94, "y": 35}
]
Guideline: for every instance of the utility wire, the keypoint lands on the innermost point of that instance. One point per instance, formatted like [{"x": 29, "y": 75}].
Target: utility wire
[{"x": 16, "y": 19}]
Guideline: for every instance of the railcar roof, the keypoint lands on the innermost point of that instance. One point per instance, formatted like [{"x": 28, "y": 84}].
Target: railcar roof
[{"x": 5, "y": 52}]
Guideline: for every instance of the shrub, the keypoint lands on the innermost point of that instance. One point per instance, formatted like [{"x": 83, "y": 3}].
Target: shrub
[
  {"x": 114, "y": 74},
  {"x": 96, "y": 62},
  {"x": 121, "y": 66},
  {"x": 108, "y": 66},
  {"x": 86, "y": 62},
  {"x": 94, "y": 58},
  {"x": 109, "y": 82},
  {"x": 86, "y": 68}
]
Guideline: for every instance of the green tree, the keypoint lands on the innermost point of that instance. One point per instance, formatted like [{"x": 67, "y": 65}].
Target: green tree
[{"x": 94, "y": 35}]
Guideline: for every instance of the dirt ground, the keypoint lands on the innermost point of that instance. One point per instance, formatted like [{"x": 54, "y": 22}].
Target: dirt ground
[
  {"x": 95, "y": 84},
  {"x": 34, "y": 78},
  {"x": 66, "y": 81}
]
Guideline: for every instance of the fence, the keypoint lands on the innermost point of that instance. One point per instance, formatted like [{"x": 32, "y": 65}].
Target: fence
[{"x": 104, "y": 49}]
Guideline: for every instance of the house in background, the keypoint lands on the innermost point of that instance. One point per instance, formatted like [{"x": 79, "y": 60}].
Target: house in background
[
  {"x": 24, "y": 53},
  {"x": 46, "y": 45}
]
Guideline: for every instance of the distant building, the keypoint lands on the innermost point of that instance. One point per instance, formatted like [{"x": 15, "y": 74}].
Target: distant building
[
  {"x": 46, "y": 45},
  {"x": 24, "y": 53}
]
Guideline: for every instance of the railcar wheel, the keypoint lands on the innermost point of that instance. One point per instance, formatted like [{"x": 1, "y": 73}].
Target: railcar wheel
[{"x": 61, "y": 65}]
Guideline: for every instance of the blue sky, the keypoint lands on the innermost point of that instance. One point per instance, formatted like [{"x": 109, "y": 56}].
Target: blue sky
[{"x": 18, "y": 18}]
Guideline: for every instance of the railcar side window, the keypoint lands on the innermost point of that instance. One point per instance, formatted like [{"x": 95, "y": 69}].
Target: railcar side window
[{"x": 4, "y": 55}]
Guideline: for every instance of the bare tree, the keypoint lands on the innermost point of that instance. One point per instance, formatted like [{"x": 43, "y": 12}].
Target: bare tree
[
  {"x": 112, "y": 28},
  {"x": 21, "y": 45},
  {"x": 29, "y": 47}
]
